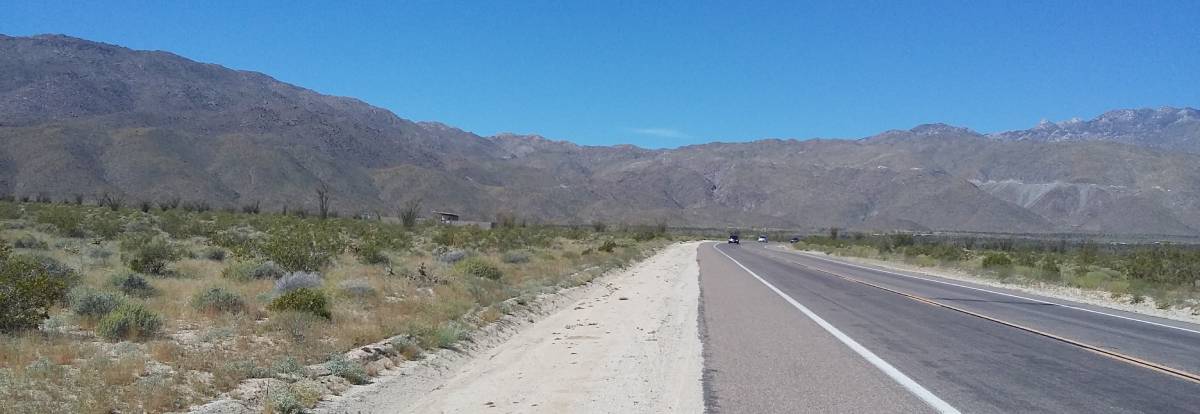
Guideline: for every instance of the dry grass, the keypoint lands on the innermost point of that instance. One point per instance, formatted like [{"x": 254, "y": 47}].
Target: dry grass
[{"x": 200, "y": 353}]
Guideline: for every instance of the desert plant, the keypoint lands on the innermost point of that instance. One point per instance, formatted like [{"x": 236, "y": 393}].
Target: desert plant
[
  {"x": 993, "y": 260},
  {"x": 608, "y": 246},
  {"x": 149, "y": 254},
  {"x": 132, "y": 284},
  {"x": 215, "y": 254},
  {"x": 252, "y": 208},
  {"x": 359, "y": 288},
  {"x": 114, "y": 202},
  {"x": 305, "y": 300},
  {"x": 302, "y": 247},
  {"x": 599, "y": 226},
  {"x": 245, "y": 271},
  {"x": 323, "y": 200},
  {"x": 514, "y": 257},
  {"x": 479, "y": 267},
  {"x": 169, "y": 204},
  {"x": 5, "y": 250},
  {"x": 218, "y": 300},
  {"x": 129, "y": 321},
  {"x": 453, "y": 256},
  {"x": 28, "y": 241},
  {"x": 343, "y": 367},
  {"x": 90, "y": 303},
  {"x": 27, "y": 291},
  {"x": 409, "y": 213},
  {"x": 297, "y": 280},
  {"x": 371, "y": 253}
]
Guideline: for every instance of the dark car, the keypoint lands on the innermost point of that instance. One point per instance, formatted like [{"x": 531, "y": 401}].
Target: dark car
[
  {"x": 733, "y": 238},
  {"x": 794, "y": 240}
]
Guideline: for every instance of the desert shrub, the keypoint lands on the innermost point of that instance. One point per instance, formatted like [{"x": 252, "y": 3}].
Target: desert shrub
[
  {"x": 288, "y": 366},
  {"x": 515, "y": 257},
  {"x": 993, "y": 260},
  {"x": 297, "y": 280},
  {"x": 149, "y": 254},
  {"x": 242, "y": 241},
  {"x": 28, "y": 241},
  {"x": 218, "y": 300},
  {"x": 132, "y": 284},
  {"x": 281, "y": 400},
  {"x": 246, "y": 271},
  {"x": 66, "y": 221},
  {"x": 371, "y": 253},
  {"x": 216, "y": 255},
  {"x": 9, "y": 211},
  {"x": 358, "y": 288},
  {"x": 405, "y": 345},
  {"x": 5, "y": 250},
  {"x": 129, "y": 321},
  {"x": 439, "y": 336},
  {"x": 91, "y": 303},
  {"x": 27, "y": 291},
  {"x": 343, "y": 367},
  {"x": 479, "y": 267},
  {"x": 453, "y": 256},
  {"x": 303, "y": 247},
  {"x": 57, "y": 269},
  {"x": 302, "y": 300},
  {"x": 608, "y": 246}
]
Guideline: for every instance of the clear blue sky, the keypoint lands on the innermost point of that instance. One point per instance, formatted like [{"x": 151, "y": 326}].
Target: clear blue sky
[{"x": 663, "y": 74}]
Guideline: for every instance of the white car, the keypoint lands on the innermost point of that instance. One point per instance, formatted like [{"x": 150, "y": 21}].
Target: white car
[{"x": 762, "y": 239}]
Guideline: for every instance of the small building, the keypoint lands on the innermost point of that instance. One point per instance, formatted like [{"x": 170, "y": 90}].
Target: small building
[{"x": 446, "y": 218}]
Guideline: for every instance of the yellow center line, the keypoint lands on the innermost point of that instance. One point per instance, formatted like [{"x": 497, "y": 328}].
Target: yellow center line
[{"x": 1176, "y": 372}]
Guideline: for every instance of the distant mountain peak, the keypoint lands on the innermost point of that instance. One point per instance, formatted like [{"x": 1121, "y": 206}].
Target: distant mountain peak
[
  {"x": 940, "y": 129},
  {"x": 1167, "y": 128}
]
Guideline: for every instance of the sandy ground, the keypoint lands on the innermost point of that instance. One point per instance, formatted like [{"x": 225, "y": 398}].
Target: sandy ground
[
  {"x": 1091, "y": 297},
  {"x": 630, "y": 345}
]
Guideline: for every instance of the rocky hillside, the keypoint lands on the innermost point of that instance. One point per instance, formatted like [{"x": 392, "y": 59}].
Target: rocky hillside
[
  {"x": 1173, "y": 129},
  {"x": 79, "y": 117}
]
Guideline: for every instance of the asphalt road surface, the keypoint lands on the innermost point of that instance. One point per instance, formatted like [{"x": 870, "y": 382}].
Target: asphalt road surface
[{"x": 789, "y": 332}]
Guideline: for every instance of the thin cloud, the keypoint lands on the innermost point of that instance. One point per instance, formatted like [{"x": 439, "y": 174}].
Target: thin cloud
[{"x": 661, "y": 132}]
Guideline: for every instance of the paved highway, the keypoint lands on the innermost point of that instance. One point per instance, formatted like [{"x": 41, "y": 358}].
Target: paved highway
[{"x": 789, "y": 332}]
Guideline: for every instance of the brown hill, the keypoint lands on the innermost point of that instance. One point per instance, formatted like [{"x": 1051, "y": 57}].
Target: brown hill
[{"x": 79, "y": 117}]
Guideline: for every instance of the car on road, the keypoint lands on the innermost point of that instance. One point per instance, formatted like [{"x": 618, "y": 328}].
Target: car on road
[
  {"x": 794, "y": 240},
  {"x": 762, "y": 238},
  {"x": 733, "y": 239}
]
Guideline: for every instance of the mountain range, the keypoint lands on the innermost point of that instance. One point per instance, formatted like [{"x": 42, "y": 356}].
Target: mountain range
[{"x": 82, "y": 117}]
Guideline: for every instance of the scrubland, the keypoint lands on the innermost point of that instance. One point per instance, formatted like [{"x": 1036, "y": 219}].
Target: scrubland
[
  {"x": 1166, "y": 276},
  {"x": 157, "y": 307}
]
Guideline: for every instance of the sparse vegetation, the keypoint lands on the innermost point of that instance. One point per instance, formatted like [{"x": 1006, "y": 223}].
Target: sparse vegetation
[
  {"x": 195, "y": 290},
  {"x": 1170, "y": 274}
]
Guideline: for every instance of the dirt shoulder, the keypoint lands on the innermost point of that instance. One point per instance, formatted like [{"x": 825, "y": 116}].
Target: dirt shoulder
[{"x": 628, "y": 343}]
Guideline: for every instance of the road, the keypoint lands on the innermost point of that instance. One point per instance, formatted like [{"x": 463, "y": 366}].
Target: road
[{"x": 789, "y": 332}]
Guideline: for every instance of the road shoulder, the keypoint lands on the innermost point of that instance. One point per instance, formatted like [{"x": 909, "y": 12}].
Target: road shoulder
[{"x": 630, "y": 344}]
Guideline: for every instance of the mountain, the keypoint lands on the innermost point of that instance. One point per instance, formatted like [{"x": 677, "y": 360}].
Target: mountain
[
  {"x": 81, "y": 117},
  {"x": 1172, "y": 129}
]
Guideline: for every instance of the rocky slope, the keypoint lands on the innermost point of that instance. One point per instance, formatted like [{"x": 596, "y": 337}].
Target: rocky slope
[{"x": 80, "y": 117}]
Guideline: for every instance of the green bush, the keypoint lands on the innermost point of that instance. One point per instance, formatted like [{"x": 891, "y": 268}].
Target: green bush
[
  {"x": 149, "y": 254},
  {"x": 247, "y": 271},
  {"x": 133, "y": 284},
  {"x": 27, "y": 291},
  {"x": 67, "y": 221},
  {"x": 371, "y": 253},
  {"x": 303, "y": 247},
  {"x": 993, "y": 260},
  {"x": 90, "y": 303},
  {"x": 29, "y": 242},
  {"x": 515, "y": 257},
  {"x": 607, "y": 246},
  {"x": 5, "y": 250},
  {"x": 302, "y": 300},
  {"x": 218, "y": 300},
  {"x": 343, "y": 367},
  {"x": 479, "y": 267},
  {"x": 129, "y": 321}
]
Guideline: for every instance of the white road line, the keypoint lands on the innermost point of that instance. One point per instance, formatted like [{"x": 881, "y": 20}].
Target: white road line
[
  {"x": 912, "y": 386},
  {"x": 1001, "y": 293}
]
